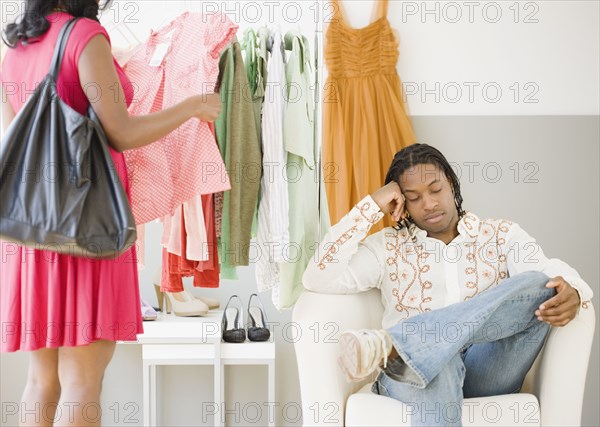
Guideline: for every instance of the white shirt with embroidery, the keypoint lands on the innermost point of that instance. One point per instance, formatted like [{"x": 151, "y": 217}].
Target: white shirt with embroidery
[{"x": 416, "y": 273}]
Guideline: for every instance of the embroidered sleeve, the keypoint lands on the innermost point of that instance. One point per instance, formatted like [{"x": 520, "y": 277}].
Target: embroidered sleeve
[
  {"x": 524, "y": 254},
  {"x": 578, "y": 284},
  {"x": 344, "y": 263}
]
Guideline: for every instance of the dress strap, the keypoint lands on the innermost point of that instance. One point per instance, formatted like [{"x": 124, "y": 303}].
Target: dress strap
[
  {"x": 382, "y": 8},
  {"x": 335, "y": 4},
  {"x": 379, "y": 9}
]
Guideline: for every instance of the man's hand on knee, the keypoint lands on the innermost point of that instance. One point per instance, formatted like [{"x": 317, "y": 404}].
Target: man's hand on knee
[{"x": 562, "y": 307}]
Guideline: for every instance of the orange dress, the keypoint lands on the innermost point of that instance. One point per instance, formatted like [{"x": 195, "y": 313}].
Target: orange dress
[{"x": 364, "y": 121}]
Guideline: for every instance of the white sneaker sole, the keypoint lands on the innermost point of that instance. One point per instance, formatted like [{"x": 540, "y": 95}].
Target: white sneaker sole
[{"x": 350, "y": 357}]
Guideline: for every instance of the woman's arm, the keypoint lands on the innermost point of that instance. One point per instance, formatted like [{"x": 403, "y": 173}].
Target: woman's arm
[{"x": 96, "y": 69}]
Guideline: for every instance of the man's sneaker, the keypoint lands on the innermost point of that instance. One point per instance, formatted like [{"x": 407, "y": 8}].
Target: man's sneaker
[{"x": 361, "y": 352}]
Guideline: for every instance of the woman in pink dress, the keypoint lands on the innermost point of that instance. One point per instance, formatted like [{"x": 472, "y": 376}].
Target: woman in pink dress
[{"x": 69, "y": 311}]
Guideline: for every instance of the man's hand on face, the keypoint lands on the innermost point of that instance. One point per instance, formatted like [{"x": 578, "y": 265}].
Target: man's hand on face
[{"x": 390, "y": 200}]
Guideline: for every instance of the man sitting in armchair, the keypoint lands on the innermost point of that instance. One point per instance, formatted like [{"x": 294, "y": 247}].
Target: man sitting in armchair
[{"x": 467, "y": 302}]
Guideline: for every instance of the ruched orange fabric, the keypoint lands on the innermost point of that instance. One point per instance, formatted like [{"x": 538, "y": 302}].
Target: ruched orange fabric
[{"x": 364, "y": 117}]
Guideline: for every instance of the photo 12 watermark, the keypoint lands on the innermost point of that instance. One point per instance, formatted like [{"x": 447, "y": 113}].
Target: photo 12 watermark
[
  {"x": 471, "y": 12},
  {"x": 28, "y": 413}
]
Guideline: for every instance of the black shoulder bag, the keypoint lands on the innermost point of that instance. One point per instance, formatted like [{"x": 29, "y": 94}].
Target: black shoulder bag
[{"x": 59, "y": 189}]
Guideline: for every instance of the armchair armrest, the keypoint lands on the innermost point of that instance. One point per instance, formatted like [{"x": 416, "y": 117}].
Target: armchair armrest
[
  {"x": 321, "y": 318},
  {"x": 558, "y": 377}
]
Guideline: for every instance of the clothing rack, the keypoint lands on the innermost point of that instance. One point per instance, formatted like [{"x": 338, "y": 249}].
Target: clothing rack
[{"x": 318, "y": 90}]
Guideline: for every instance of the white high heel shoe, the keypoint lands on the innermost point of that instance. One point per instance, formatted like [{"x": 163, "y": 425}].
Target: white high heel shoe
[
  {"x": 181, "y": 303},
  {"x": 212, "y": 303}
]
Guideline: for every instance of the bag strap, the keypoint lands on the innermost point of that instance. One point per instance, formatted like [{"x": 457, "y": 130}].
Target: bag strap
[{"x": 59, "y": 49}]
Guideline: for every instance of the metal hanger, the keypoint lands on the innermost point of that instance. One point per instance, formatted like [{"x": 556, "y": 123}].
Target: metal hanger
[{"x": 126, "y": 32}]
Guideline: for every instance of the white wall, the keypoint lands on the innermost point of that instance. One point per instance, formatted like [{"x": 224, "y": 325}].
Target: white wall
[
  {"x": 182, "y": 388},
  {"x": 494, "y": 58},
  {"x": 559, "y": 54}
]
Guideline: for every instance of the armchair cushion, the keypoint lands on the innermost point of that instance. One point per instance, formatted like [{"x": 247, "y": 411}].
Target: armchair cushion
[{"x": 368, "y": 409}]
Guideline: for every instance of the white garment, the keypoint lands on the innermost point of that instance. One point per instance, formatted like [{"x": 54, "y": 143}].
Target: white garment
[
  {"x": 273, "y": 221},
  {"x": 417, "y": 273}
]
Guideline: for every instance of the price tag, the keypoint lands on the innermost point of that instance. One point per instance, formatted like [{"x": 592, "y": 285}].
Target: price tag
[{"x": 159, "y": 54}]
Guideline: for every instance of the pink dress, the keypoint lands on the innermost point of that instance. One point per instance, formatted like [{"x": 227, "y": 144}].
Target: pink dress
[{"x": 48, "y": 300}]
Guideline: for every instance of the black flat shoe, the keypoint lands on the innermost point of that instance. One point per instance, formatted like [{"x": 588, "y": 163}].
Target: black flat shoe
[
  {"x": 257, "y": 330},
  {"x": 233, "y": 321}
]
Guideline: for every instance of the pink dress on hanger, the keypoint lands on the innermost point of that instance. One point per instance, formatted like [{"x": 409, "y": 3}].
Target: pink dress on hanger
[
  {"x": 49, "y": 300},
  {"x": 179, "y": 60}
]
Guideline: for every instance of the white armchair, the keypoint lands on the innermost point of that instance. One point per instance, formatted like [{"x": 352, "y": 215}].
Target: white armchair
[{"x": 551, "y": 395}]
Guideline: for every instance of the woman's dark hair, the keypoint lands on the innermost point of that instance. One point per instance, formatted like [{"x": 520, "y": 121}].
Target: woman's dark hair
[
  {"x": 34, "y": 23},
  {"x": 419, "y": 154}
]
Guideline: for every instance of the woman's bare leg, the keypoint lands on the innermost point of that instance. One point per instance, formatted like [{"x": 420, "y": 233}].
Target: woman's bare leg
[
  {"x": 81, "y": 371},
  {"x": 42, "y": 390}
]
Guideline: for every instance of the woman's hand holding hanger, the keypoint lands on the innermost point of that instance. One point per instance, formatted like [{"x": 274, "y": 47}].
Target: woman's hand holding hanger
[{"x": 206, "y": 107}]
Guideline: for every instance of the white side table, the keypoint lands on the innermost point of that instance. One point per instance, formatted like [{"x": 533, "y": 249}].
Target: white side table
[
  {"x": 253, "y": 353},
  {"x": 172, "y": 340}
]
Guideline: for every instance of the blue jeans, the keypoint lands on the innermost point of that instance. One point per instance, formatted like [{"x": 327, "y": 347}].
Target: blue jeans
[{"x": 481, "y": 347}]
